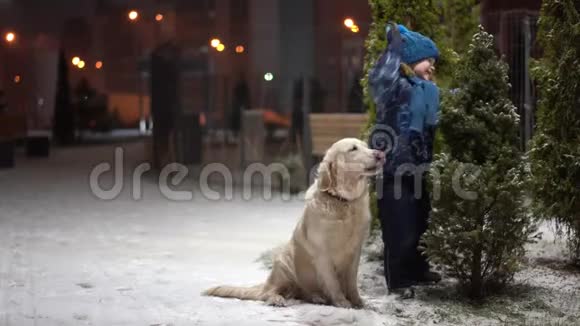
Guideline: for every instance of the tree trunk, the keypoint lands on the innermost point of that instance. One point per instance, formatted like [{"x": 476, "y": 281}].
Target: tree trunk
[{"x": 476, "y": 290}]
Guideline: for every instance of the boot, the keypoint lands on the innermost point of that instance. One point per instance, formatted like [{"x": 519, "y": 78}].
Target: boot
[{"x": 429, "y": 277}]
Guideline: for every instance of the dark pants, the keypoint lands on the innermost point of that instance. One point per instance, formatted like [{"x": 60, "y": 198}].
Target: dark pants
[{"x": 403, "y": 221}]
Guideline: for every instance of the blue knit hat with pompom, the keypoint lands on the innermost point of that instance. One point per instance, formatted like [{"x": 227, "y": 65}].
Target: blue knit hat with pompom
[{"x": 417, "y": 47}]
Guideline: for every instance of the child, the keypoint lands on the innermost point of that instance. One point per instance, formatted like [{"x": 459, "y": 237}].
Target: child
[{"x": 407, "y": 107}]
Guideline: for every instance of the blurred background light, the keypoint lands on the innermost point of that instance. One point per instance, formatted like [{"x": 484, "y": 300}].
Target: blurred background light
[
  {"x": 133, "y": 15},
  {"x": 10, "y": 37},
  {"x": 349, "y": 22},
  {"x": 215, "y": 42}
]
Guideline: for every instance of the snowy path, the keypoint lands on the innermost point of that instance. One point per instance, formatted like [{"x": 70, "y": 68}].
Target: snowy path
[{"x": 68, "y": 258}]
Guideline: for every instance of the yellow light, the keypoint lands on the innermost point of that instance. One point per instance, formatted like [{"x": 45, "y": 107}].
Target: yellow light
[
  {"x": 159, "y": 17},
  {"x": 133, "y": 15},
  {"x": 220, "y": 47},
  {"x": 215, "y": 43},
  {"x": 240, "y": 49},
  {"x": 76, "y": 60},
  {"x": 81, "y": 64},
  {"x": 99, "y": 64},
  {"x": 355, "y": 29},
  {"x": 349, "y": 22},
  {"x": 17, "y": 79},
  {"x": 10, "y": 37}
]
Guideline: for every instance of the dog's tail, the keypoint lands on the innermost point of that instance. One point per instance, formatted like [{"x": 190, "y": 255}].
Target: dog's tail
[{"x": 244, "y": 293}]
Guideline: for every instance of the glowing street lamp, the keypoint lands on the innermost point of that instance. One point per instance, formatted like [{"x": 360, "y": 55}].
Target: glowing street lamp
[
  {"x": 133, "y": 15},
  {"x": 159, "y": 17},
  {"x": 349, "y": 23},
  {"x": 240, "y": 49},
  {"x": 269, "y": 76},
  {"x": 220, "y": 47},
  {"x": 76, "y": 60},
  {"x": 355, "y": 29},
  {"x": 81, "y": 64},
  {"x": 215, "y": 43},
  {"x": 10, "y": 37},
  {"x": 99, "y": 64}
]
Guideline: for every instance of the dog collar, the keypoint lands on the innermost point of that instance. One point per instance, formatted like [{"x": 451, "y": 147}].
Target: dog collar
[{"x": 337, "y": 197}]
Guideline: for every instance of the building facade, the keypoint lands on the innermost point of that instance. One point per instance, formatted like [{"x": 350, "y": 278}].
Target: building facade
[
  {"x": 289, "y": 40},
  {"x": 514, "y": 26}
]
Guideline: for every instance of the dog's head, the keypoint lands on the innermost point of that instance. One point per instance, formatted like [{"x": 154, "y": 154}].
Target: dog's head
[{"x": 346, "y": 165}]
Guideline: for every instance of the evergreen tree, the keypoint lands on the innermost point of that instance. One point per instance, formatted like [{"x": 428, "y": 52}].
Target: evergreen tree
[
  {"x": 479, "y": 225},
  {"x": 64, "y": 122},
  {"x": 555, "y": 153},
  {"x": 460, "y": 20}
]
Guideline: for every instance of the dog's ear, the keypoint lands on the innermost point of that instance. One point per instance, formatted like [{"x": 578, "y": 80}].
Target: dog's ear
[{"x": 326, "y": 176}]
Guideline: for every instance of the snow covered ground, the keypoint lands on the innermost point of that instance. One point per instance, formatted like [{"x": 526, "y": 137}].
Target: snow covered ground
[
  {"x": 69, "y": 258},
  {"x": 545, "y": 292}
]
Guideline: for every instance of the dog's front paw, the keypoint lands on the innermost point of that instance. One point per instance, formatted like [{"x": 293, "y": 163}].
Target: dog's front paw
[
  {"x": 357, "y": 303},
  {"x": 276, "y": 301},
  {"x": 316, "y": 299},
  {"x": 343, "y": 303}
]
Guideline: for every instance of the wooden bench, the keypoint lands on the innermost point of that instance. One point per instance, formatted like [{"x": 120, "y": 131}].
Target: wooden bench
[{"x": 327, "y": 128}]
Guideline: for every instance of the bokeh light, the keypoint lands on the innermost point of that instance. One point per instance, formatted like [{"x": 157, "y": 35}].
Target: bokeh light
[
  {"x": 133, "y": 15},
  {"x": 215, "y": 42},
  {"x": 10, "y": 37},
  {"x": 349, "y": 22}
]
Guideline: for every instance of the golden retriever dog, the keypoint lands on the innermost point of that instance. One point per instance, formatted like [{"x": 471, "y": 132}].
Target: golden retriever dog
[{"x": 320, "y": 262}]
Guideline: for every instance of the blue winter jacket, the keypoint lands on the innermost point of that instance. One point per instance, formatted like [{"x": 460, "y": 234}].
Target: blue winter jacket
[{"x": 407, "y": 112}]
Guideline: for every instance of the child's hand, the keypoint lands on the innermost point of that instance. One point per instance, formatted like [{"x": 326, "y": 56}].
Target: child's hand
[{"x": 394, "y": 35}]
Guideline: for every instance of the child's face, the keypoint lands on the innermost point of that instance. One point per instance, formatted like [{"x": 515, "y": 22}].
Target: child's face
[{"x": 425, "y": 69}]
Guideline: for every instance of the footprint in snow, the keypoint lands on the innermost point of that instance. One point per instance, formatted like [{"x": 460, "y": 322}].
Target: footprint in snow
[
  {"x": 85, "y": 285},
  {"x": 80, "y": 316}
]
